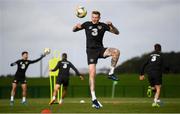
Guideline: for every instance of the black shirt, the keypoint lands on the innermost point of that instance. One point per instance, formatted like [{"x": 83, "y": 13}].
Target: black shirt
[
  {"x": 22, "y": 66},
  {"x": 154, "y": 63},
  {"x": 94, "y": 34},
  {"x": 64, "y": 67}
]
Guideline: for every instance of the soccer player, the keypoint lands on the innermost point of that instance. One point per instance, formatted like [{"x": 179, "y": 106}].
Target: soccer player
[
  {"x": 20, "y": 76},
  {"x": 95, "y": 30},
  {"x": 154, "y": 64},
  {"x": 63, "y": 77}
]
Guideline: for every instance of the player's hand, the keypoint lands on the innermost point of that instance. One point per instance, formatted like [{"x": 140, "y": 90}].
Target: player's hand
[
  {"x": 50, "y": 70},
  {"x": 12, "y": 64},
  {"x": 78, "y": 25},
  {"x": 43, "y": 55},
  {"x": 81, "y": 77},
  {"x": 109, "y": 23},
  {"x": 141, "y": 77}
]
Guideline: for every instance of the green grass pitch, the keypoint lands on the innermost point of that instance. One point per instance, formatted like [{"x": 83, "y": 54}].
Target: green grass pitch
[{"x": 72, "y": 105}]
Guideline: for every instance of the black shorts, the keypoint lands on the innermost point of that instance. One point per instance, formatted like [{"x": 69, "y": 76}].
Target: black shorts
[
  {"x": 155, "y": 78},
  {"x": 63, "y": 81},
  {"x": 94, "y": 54},
  {"x": 22, "y": 81}
]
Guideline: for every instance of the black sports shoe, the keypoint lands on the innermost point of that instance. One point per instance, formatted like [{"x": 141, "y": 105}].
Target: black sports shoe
[
  {"x": 95, "y": 104},
  {"x": 113, "y": 77}
]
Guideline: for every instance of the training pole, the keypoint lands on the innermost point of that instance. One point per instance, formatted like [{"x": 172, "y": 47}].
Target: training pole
[{"x": 53, "y": 75}]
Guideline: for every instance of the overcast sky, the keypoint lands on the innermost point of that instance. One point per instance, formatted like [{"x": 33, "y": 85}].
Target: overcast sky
[{"x": 33, "y": 25}]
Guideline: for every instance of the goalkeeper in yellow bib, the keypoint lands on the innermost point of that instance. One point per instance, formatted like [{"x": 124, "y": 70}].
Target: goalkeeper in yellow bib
[
  {"x": 94, "y": 48},
  {"x": 63, "y": 77}
]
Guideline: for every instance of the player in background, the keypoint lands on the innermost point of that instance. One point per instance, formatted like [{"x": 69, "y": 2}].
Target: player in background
[
  {"x": 95, "y": 30},
  {"x": 63, "y": 77},
  {"x": 20, "y": 76},
  {"x": 154, "y": 64}
]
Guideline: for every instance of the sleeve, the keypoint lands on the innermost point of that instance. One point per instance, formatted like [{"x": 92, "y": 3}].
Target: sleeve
[
  {"x": 142, "y": 70},
  {"x": 74, "y": 68},
  {"x": 57, "y": 66},
  {"x": 83, "y": 26},
  {"x": 12, "y": 64},
  {"x": 106, "y": 27},
  {"x": 34, "y": 61}
]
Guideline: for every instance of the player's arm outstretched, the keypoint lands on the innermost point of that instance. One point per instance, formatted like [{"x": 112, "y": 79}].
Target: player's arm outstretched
[
  {"x": 77, "y": 27},
  {"x": 76, "y": 71},
  {"x": 113, "y": 29},
  {"x": 13, "y": 64},
  {"x": 34, "y": 61},
  {"x": 56, "y": 68}
]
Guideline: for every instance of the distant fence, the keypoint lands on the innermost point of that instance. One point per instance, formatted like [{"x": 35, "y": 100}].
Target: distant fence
[{"x": 101, "y": 91}]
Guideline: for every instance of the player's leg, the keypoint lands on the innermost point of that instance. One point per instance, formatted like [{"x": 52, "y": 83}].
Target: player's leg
[
  {"x": 114, "y": 53},
  {"x": 92, "y": 75},
  {"x": 157, "y": 85},
  {"x": 157, "y": 94},
  {"x": 63, "y": 94},
  {"x": 24, "y": 92},
  {"x": 57, "y": 86},
  {"x": 13, "y": 92}
]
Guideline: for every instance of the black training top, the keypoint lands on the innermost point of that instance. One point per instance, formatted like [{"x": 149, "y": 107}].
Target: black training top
[
  {"x": 154, "y": 63},
  {"x": 64, "y": 67},
  {"x": 94, "y": 34},
  {"x": 22, "y": 66}
]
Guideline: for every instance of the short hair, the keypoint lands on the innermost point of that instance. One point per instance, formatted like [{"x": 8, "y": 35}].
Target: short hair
[
  {"x": 96, "y": 12},
  {"x": 24, "y": 52},
  {"x": 64, "y": 56},
  {"x": 157, "y": 47}
]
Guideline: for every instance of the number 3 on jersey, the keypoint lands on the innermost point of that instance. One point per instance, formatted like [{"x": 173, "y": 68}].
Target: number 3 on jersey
[
  {"x": 153, "y": 58},
  {"x": 65, "y": 66},
  {"x": 94, "y": 32}
]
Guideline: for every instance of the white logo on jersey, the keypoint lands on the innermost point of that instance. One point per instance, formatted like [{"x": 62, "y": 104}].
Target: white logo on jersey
[
  {"x": 91, "y": 60},
  {"x": 90, "y": 27},
  {"x": 99, "y": 27}
]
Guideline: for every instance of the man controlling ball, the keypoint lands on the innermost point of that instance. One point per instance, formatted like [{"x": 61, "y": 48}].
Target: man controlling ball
[{"x": 94, "y": 48}]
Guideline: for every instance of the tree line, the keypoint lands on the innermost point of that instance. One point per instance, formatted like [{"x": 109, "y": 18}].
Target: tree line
[{"x": 171, "y": 63}]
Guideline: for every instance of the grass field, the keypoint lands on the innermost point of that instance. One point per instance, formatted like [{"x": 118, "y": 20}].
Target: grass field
[{"x": 72, "y": 105}]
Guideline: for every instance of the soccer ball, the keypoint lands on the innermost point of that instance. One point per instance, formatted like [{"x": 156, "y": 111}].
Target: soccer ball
[
  {"x": 81, "y": 12},
  {"x": 82, "y": 101},
  {"x": 47, "y": 51}
]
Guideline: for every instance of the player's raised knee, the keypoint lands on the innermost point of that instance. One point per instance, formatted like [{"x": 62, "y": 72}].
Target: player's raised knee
[{"x": 117, "y": 51}]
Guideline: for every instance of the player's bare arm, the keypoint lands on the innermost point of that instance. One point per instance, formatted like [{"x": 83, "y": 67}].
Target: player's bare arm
[{"x": 113, "y": 29}]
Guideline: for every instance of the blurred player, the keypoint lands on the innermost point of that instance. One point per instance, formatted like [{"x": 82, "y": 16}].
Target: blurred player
[
  {"x": 94, "y": 48},
  {"x": 20, "y": 76},
  {"x": 154, "y": 65},
  {"x": 63, "y": 77}
]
